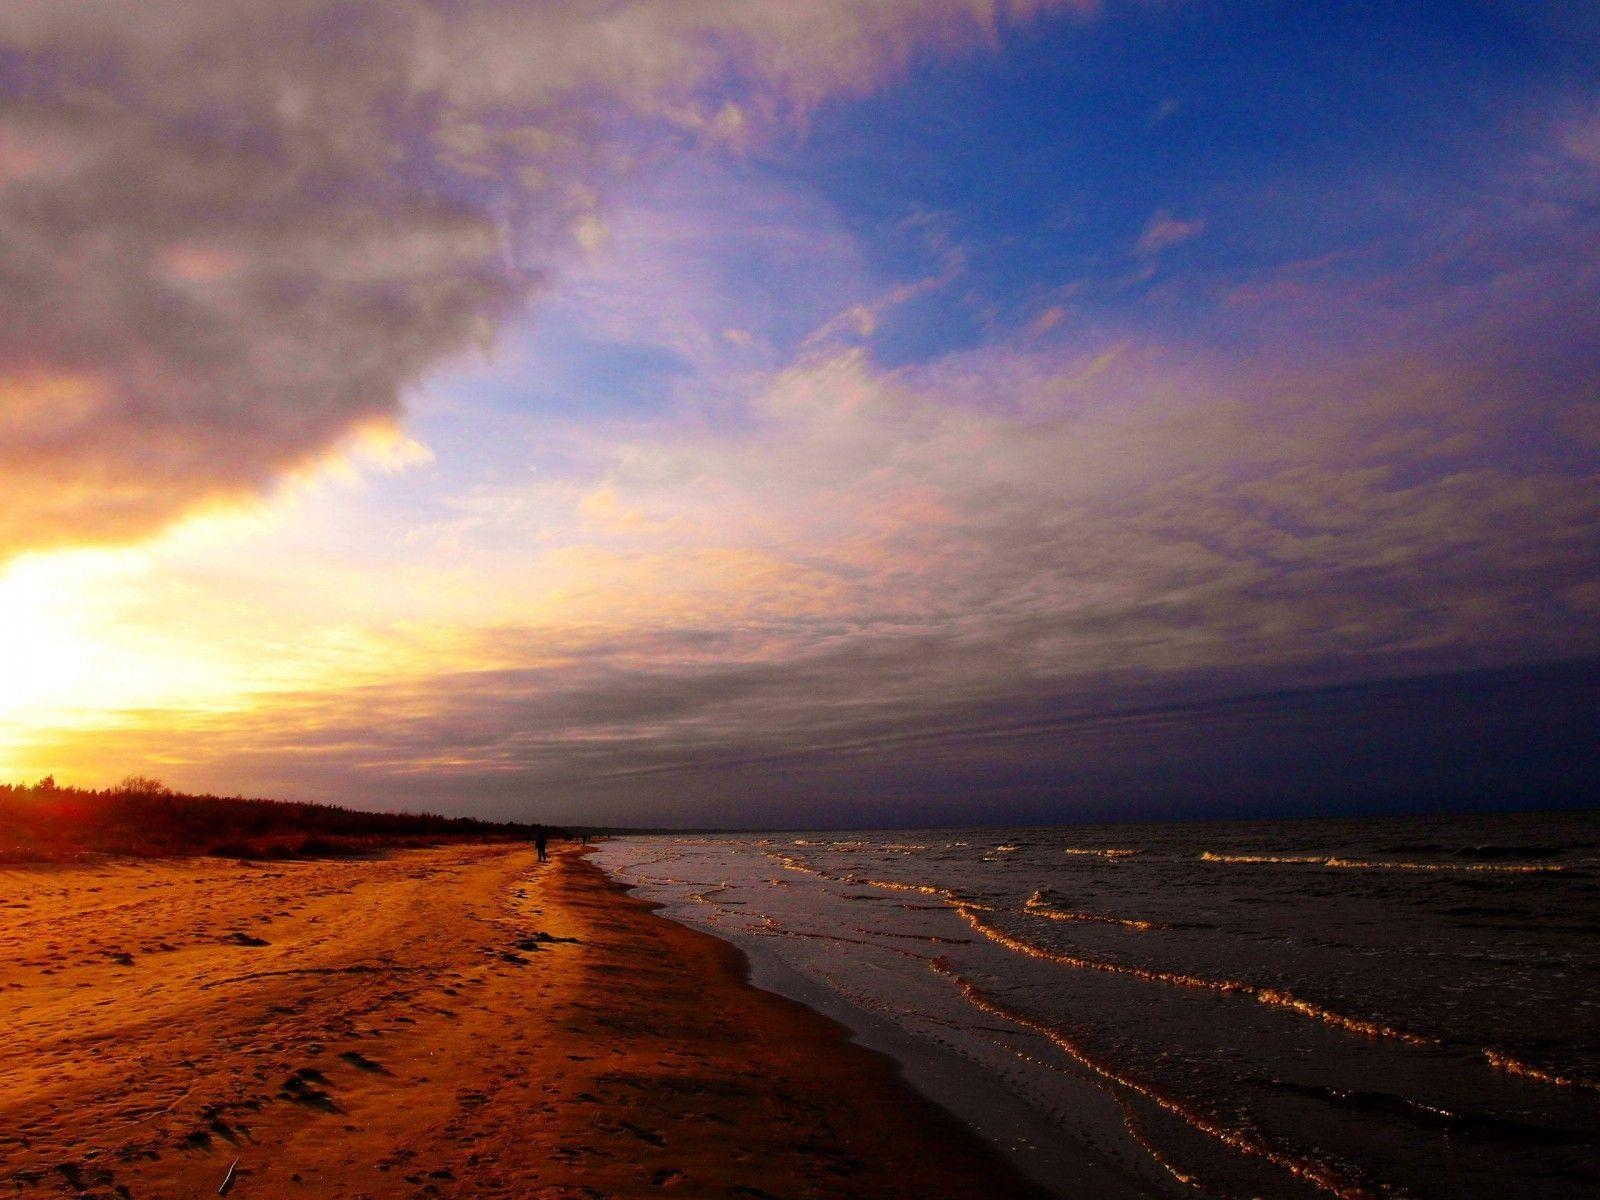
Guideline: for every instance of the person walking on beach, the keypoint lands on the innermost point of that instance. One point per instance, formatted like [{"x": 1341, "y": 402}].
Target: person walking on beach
[{"x": 540, "y": 842}]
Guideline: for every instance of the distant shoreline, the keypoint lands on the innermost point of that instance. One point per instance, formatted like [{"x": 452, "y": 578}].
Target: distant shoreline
[{"x": 142, "y": 818}]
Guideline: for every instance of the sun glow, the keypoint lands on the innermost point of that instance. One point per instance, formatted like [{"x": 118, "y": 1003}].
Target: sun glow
[
  {"x": 107, "y": 653},
  {"x": 84, "y": 642},
  {"x": 88, "y": 637},
  {"x": 46, "y": 656}
]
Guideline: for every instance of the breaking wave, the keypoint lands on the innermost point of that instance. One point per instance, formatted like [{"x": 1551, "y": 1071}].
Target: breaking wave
[
  {"x": 1356, "y": 864},
  {"x": 1039, "y": 905},
  {"x": 1241, "y": 1140},
  {"x": 1274, "y": 997}
]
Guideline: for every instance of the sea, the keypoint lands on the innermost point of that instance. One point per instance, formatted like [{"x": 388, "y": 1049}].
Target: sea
[{"x": 1388, "y": 1007}]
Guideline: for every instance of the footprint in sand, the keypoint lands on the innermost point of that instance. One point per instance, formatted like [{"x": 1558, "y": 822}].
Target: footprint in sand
[
  {"x": 362, "y": 1063},
  {"x": 645, "y": 1135},
  {"x": 79, "y": 1178},
  {"x": 301, "y": 1088}
]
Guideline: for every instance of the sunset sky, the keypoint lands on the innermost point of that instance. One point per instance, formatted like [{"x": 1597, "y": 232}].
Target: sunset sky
[{"x": 802, "y": 411}]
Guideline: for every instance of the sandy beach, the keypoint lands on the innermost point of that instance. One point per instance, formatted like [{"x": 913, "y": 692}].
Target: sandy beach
[{"x": 452, "y": 1022}]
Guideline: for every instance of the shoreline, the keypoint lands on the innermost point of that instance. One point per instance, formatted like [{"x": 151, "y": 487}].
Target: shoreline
[
  {"x": 1092, "y": 1152},
  {"x": 1089, "y": 1160},
  {"x": 455, "y": 1022}
]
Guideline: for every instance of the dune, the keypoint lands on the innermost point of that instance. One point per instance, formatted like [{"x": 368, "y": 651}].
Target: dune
[{"x": 461, "y": 1021}]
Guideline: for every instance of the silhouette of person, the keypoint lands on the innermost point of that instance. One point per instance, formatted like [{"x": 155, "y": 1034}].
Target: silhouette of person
[{"x": 540, "y": 842}]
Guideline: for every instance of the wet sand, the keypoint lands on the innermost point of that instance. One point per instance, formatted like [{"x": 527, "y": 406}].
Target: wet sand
[{"x": 456, "y": 1022}]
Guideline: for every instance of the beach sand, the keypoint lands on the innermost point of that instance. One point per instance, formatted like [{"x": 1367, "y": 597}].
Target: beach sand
[{"x": 453, "y": 1022}]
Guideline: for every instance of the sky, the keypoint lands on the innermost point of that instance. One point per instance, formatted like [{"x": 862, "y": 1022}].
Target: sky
[{"x": 803, "y": 412}]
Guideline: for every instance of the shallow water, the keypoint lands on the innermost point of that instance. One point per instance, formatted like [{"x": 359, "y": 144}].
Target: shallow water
[{"x": 1386, "y": 1007}]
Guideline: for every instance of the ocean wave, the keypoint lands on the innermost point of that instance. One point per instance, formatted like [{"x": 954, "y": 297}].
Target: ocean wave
[
  {"x": 1357, "y": 864},
  {"x": 1243, "y": 1141},
  {"x": 1512, "y": 1066},
  {"x": 1471, "y": 1124},
  {"x": 770, "y": 926},
  {"x": 1039, "y": 905},
  {"x": 1491, "y": 853},
  {"x": 916, "y": 937},
  {"x": 1271, "y": 996},
  {"x": 1275, "y": 997},
  {"x": 892, "y": 885},
  {"x": 1106, "y": 852},
  {"x": 998, "y": 853},
  {"x": 790, "y": 863}
]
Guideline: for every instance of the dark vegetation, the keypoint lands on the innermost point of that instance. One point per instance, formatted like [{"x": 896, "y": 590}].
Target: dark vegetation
[{"x": 140, "y": 817}]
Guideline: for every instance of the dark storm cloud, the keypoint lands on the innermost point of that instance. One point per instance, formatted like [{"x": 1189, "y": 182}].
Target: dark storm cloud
[{"x": 232, "y": 233}]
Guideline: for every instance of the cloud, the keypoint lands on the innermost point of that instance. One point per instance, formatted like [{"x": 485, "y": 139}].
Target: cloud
[
  {"x": 1386, "y": 465},
  {"x": 235, "y": 232},
  {"x": 1164, "y": 110},
  {"x": 945, "y": 572},
  {"x": 1164, "y": 231},
  {"x": 1132, "y": 508},
  {"x": 696, "y": 740},
  {"x": 885, "y": 578},
  {"x": 1581, "y": 140}
]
